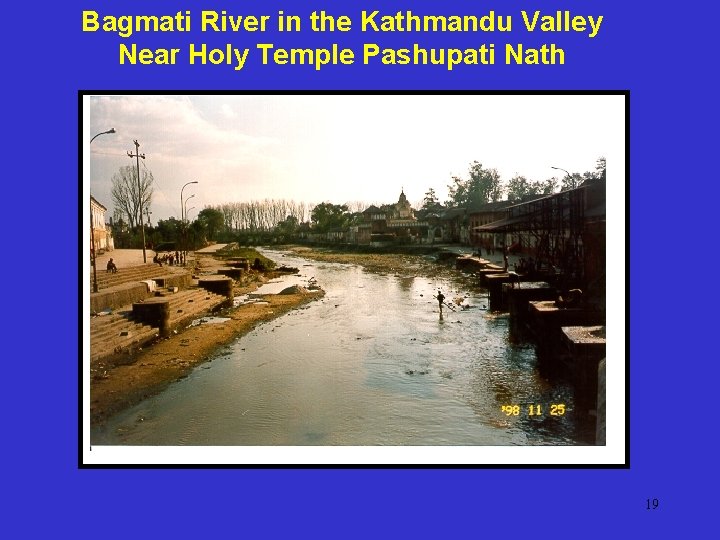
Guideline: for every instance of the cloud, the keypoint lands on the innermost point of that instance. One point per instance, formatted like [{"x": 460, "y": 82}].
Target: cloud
[{"x": 343, "y": 147}]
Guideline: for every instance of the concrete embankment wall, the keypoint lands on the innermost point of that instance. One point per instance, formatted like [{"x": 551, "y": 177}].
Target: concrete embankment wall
[{"x": 129, "y": 293}]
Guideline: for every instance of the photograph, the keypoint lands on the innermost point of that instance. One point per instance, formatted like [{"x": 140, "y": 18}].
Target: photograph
[
  {"x": 354, "y": 278},
  {"x": 382, "y": 270}
]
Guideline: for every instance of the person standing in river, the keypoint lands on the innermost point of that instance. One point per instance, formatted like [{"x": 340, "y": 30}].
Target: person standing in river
[{"x": 440, "y": 297}]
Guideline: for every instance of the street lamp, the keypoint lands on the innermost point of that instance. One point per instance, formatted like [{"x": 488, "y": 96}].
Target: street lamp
[
  {"x": 560, "y": 169},
  {"x": 569, "y": 183},
  {"x": 186, "y": 201},
  {"x": 186, "y": 213},
  {"x": 111, "y": 130},
  {"x": 182, "y": 215},
  {"x": 92, "y": 228}
]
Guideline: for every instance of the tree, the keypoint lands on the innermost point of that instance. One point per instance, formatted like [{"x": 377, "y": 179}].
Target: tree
[
  {"x": 482, "y": 186},
  {"x": 355, "y": 207},
  {"x": 549, "y": 185},
  {"x": 168, "y": 230},
  {"x": 571, "y": 181},
  {"x": 430, "y": 201},
  {"x": 326, "y": 216},
  {"x": 121, "y": 235},
  {"x": 600, "y": 167},
  {"x": 213, "y": 221},
  {"x": 457, "y": 192},
  {"x": 287, "y": 229},
  {"x": 196, "y": 234},
  {"x": 519, "y": 187},
  {"x": 575, "y": 180},
  {"x": 129, "y": 199}
]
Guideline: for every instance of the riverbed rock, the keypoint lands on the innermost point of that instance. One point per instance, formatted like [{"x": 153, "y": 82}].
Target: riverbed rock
[{"x": 294, "y": 289}]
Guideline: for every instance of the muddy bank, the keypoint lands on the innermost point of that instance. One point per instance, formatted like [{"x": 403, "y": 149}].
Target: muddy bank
[
  {"x": 151, "y": 369},
  {"x": 127, "y": 380},
  {"x": 385, "y": 263}
]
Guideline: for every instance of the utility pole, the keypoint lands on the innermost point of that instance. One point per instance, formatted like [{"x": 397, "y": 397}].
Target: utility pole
[{"x": 137, "y": 156}]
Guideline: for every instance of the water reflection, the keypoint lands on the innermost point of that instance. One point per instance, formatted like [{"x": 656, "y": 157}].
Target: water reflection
[{"x": 372, "y": 363}]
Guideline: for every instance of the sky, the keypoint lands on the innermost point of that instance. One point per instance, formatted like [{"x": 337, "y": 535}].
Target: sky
[{"x": 341, "y": 148}]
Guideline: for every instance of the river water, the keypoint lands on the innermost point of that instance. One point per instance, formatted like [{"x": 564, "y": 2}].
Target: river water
[{"x": 372, "y": 363}]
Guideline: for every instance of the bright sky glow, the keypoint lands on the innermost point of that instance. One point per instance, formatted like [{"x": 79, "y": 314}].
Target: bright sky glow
[{"x": 343, "y": 148}]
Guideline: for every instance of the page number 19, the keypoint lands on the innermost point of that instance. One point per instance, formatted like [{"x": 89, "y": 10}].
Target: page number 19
[{"x": 652, "y": 504}]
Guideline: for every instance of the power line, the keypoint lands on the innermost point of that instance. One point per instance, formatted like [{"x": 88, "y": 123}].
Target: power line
[
  {"x": 161, "y": 194},
  {"x": 106, "y": 153},
  {"x": 157, "y": 189}
]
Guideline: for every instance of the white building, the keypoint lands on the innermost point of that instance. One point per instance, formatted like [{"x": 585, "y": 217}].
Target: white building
[{"x": 99, "y": 233}]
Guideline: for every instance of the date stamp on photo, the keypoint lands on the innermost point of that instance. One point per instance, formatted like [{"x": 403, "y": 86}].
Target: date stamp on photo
[{"x": 535, "y": 409}]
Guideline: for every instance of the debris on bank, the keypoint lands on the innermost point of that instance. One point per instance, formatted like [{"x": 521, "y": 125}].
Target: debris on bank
[{"x": 209, "y": 320}]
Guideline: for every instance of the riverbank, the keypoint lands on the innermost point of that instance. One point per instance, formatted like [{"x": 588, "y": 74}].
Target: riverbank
[
  {"x": 385, "y": 263},
  {"x": 130, "y": 379},
  {"x": 133, "y": 378},
  {"x": 372, "y": 363}
]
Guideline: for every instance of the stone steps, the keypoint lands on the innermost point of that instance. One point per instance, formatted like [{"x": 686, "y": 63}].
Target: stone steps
[
  {"x": 106, "y": 332},
  {"x": 116, "y": 330},
  {"x": 131, "y": 274},
  {"x": 190, "y": 304},
  {"x": 118, "y": 337},
  {"x": 124, "y": 344},
  {"x": 100, "y": 325}
]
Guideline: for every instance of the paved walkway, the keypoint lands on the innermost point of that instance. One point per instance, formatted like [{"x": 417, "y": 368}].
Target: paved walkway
[
  {"x": 124, "y": 258},
  {"x": 209, "y": 250}
]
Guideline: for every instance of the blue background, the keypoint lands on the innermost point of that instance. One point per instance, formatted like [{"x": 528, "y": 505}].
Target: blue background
[{"x": 659, "y": 51}]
